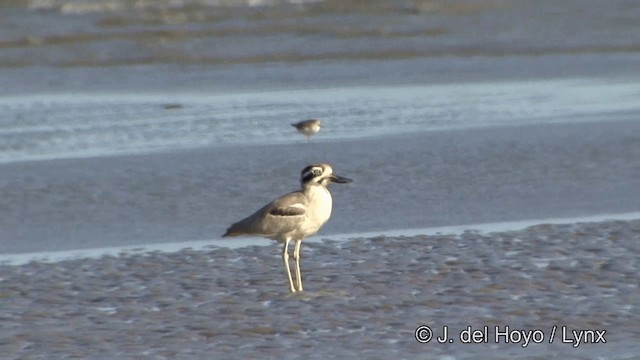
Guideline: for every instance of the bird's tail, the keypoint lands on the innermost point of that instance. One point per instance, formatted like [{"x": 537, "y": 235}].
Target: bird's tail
[{"x": 232, "y": 231}]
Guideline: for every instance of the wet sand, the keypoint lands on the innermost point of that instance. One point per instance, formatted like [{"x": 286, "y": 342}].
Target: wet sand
[{"x": 365, "y": 297}]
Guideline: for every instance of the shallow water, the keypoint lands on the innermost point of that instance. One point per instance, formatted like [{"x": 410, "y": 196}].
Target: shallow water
[
  {"x": 405, "y": 181},
  {"x": 89, "y": 125},
  {"x": 118, "y": 32}
]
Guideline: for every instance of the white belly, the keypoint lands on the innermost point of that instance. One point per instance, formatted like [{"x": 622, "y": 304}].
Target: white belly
[{"x": 318, "y": 208}]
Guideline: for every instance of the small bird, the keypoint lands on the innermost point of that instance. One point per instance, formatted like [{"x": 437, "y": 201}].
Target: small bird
[
  {"x": 294, "y": 216},
  {"x": 308, "y": 127}
]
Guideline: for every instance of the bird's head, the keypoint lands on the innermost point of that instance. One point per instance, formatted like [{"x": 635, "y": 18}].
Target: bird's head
[{"x": 320, "y": 174}]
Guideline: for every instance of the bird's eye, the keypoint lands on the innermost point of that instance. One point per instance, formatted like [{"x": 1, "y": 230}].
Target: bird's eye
[{"x": 317, "y": 172}]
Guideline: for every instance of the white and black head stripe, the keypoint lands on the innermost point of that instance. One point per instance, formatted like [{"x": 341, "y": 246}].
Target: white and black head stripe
[{"x": 311, "y": 172}]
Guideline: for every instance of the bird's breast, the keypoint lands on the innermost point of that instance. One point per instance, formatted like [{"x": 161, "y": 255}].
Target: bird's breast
[{"x": 320, "y": 205}]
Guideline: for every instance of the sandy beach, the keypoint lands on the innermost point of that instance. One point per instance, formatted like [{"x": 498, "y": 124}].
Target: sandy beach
[{"x": 365, "y": 297}]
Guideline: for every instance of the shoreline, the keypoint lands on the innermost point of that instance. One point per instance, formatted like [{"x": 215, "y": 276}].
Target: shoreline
[
  {"x": 269, "y": 76},
  {"x": 18, "y": 259}
]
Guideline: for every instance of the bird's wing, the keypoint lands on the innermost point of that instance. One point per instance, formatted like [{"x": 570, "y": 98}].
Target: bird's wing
[
  {"x": 288, "y": 211},
  {"x": 278, "y": 217}
]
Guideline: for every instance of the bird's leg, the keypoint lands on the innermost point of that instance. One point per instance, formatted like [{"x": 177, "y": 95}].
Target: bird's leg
[
  {"x": 296, "y": 256},
  {"x": 285, "y": 259}
]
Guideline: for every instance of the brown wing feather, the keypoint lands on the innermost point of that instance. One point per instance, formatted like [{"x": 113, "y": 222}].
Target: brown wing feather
[{"x": 261, "y": 222}]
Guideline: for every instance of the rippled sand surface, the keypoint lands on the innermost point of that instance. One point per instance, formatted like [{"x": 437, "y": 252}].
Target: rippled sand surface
[
  {"x": 365, "y": 297},
  {"x": 117, "y": 32}
]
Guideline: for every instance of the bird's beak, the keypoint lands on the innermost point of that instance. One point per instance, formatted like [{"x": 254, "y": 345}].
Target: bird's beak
[{"x": 339, "y": 179}]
